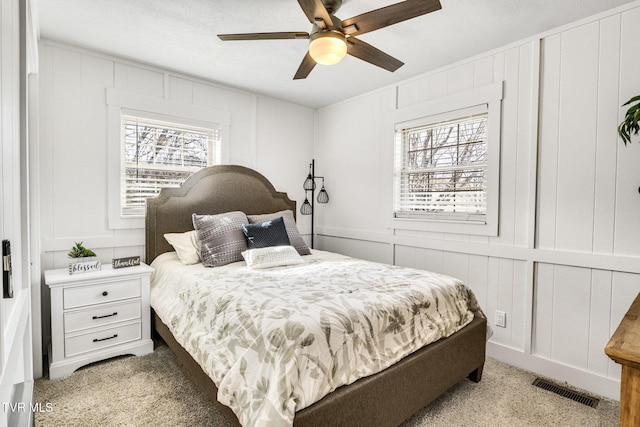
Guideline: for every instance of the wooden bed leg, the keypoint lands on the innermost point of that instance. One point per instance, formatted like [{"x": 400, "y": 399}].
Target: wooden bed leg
[{"x": 476, "y": 375}]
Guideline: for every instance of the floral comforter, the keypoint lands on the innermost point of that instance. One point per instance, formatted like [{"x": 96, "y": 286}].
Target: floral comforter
[{"x": 277, "y": 340}]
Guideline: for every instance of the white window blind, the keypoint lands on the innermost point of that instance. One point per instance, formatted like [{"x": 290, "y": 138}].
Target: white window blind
[
  {"x": 159, "y": 154},
  {"x": 441, "y": 170}
]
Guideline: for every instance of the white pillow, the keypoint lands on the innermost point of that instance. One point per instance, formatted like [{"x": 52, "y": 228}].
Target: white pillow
[
  {"x": 186, "y": 245},
  {"x": 272, "y": 256}
]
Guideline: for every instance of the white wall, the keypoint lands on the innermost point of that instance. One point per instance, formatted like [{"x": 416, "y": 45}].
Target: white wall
[
  {"x": 16, "y": 57},
  {"x": 565, "y": 265},
  {"x": 271, "y": 136}
]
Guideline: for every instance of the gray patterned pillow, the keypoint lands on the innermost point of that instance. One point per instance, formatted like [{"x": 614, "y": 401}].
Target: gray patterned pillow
[
  {"x": 221, "y": 238},
  {"x": 290, "y": 224}
]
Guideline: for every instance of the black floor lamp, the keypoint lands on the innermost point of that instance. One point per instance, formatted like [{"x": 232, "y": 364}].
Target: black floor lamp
[{"x": 310, "y": 185}]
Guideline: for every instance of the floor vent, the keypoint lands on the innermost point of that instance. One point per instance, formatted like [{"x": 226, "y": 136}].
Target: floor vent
[{"x": 565, "y": 392}]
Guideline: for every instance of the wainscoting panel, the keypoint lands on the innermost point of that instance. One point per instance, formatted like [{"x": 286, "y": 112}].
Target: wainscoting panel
[
  {"x": 570, "y": 315},
  {"x": 577, "y": 311},
  {"x": 600, "y": 322},
  {"x": 373, "y": 251},
  {"x": 498, "y": 283}
]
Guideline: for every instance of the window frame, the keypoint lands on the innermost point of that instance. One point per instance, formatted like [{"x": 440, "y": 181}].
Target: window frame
[
  {"x": 121, "y": 103},
  {"x": 131, "y": 117},
  {"x": 447, "y": 108}
]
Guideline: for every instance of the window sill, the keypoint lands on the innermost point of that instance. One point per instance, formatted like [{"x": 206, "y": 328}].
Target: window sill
[{"x": 446, "y": 226}]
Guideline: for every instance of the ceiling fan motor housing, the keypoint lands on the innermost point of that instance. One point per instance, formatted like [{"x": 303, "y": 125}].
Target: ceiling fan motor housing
[
  {"x": 332, "y": 6},
  {"x": 336, "y": 25}
]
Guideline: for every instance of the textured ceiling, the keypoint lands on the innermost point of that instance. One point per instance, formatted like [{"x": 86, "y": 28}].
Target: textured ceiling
[{"x": 181, "y": 36}]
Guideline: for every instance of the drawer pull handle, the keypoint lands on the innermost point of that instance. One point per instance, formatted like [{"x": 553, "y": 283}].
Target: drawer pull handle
[
  {"x": 105, "y": 293},
  {"x": 106, "y": 315},
  {"x": 104, "y": 339}
]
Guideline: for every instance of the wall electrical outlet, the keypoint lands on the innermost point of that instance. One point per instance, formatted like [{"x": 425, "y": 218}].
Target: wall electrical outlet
[{"x": 501, "y": 319}]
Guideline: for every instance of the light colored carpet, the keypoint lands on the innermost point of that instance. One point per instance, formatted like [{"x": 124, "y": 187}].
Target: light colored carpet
[{"x": 154, "y": 390}]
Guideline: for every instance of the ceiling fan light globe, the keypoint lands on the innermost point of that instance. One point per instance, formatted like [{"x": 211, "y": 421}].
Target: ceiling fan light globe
[{"x": 328, "y": 48}]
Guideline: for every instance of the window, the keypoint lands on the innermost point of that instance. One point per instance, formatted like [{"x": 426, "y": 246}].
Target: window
[
  {"x": 447, "y": 163},
  {"x": 443, "y": 170},
  {"x": 159, "y": 154},
  {"x": 156, "y": 142}
]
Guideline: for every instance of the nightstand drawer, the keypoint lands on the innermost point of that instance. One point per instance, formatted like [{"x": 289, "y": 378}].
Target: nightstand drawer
[
  {"x": 101, "y": 315},
  {"x": 101, "y": 293},
  {"x": 100, "y": 339}
]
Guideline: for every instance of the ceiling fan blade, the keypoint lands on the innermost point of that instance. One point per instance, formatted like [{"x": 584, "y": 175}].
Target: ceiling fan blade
[
  {"x": 305, "y": 67},
  {"x": 366, "y": 52},
  {"x": 265, "y": 36},
  {"x": 316, "y": 13},
  {"x": 389, "y": 15}
]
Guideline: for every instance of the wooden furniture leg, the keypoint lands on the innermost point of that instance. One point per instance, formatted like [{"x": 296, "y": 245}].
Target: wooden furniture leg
[
  {"x": 630, "y": 396},
  {"x": 624, "y": 348}
]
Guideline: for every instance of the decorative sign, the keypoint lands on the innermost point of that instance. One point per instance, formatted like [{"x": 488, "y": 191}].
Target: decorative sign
[
  {"x": 84, "y": 265},
  {"x": 130, "y": 261}
]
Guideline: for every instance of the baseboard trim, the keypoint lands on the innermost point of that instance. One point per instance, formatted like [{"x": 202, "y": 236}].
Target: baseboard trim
[{"x": 575, "y": 377}]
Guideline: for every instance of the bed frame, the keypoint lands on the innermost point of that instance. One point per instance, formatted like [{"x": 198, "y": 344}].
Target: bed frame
[{"x": 384, "y": 399}]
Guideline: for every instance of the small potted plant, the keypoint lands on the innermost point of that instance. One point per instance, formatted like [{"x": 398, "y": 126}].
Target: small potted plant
[
  {"x": 631, "y": 124},
  {"x": 83, "y": 260}
]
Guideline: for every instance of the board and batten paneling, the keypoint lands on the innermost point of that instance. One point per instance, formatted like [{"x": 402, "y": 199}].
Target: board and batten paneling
[
  {"x": 566, "y": 262},
  {"x": 627, "y": 236},
  {"x": 74, "y": 145},
  {"x": 576, "y": 136},
  {"x": 361, "y": 162}
]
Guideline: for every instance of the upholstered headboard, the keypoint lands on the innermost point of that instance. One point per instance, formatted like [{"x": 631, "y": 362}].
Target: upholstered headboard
[{"x": 212, "y": 190}]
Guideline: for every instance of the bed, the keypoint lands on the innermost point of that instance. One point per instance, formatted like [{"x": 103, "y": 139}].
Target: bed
[{"x": 385, "y": 398}]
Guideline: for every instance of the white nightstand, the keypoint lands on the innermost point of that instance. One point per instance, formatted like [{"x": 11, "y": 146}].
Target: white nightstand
[{"x": 98, "y": 315}]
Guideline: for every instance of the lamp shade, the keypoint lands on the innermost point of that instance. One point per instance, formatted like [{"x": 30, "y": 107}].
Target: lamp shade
[
  {"x": 328, "y": 47},
  {"x": 306, "y": 208},
  {"x": 309, "y": 183},
  {"x": 323, "y": 196}
]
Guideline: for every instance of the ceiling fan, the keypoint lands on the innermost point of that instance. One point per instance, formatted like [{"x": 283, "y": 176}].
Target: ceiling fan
[{"x": 331, "y": 39}]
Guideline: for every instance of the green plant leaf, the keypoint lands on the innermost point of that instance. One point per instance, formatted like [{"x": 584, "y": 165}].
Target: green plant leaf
[
  {"x": 623, "y": 133},
  {"x": 631, "y": 111},
  {"x": 631, "y": 124},
  {"x": 79, "y": 251},
  {"x": 635, "y": 98}
]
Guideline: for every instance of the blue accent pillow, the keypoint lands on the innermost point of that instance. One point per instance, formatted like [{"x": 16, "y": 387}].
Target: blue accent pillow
[
  {"x": 290, "y": 224},
  {"x": 266, "y": 234}
]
